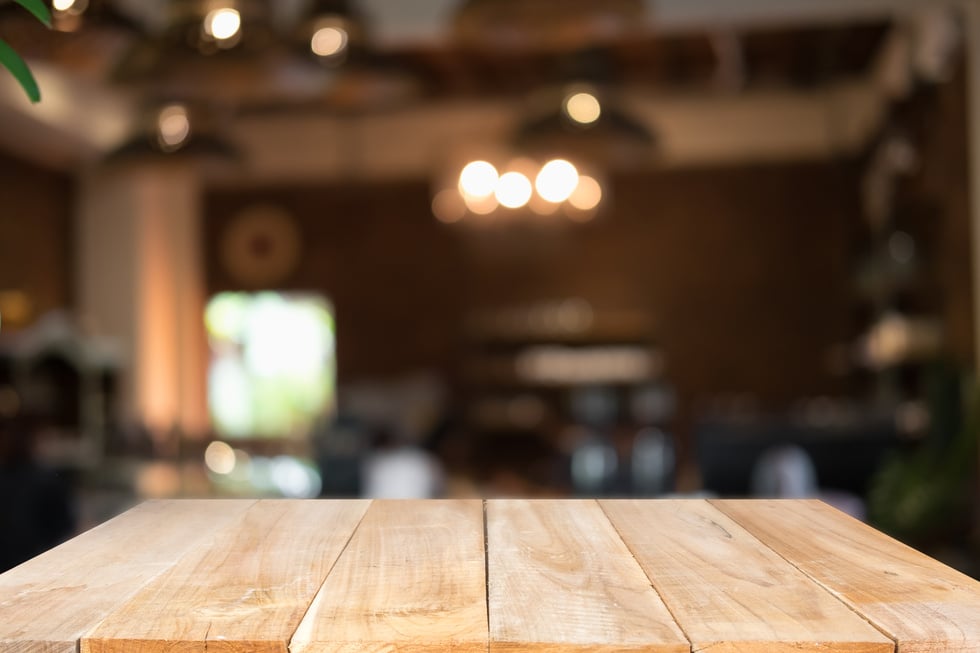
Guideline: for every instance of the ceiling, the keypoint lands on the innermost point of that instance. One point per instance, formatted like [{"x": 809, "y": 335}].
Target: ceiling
[{"x": 712, "y": 79}]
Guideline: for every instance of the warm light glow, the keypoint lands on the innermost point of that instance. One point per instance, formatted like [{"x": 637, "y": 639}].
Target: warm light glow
[
  {"x": 556, "y": 181},
  {"x": 599, "y": 364},
  {"x": 448, "y": 206},
  {"x": 173, "y": 126},
  {"x": 329, "y": 41},
  {"x": 478, "y": 179},
  {"x": 16, "y": 306},
  {"x": 583, "y": 108},
  {"x": 587, "y": 194},
  {"x": 220, "y": 457},
  {"x": 541, "y": 206},
  {"x": 222, "y": 24},
  {"x": 513, "y": 190},
  {"x": 62, "y": 5},
  {"x": 481, "y": 205}
]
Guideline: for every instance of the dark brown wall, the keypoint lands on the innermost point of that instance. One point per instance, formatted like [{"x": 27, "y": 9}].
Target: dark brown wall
[
  {"x": 35, "y": 234},
  {"x": 746, "y": 272},
  {"x": 940, "y": 192}
]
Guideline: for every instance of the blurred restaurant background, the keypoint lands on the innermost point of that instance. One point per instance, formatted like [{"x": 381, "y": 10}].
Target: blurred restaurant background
[{"x": 419, "y": 248}]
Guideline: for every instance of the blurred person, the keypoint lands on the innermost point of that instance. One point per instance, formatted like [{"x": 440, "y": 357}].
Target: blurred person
[{"x": 35, "y": 502}]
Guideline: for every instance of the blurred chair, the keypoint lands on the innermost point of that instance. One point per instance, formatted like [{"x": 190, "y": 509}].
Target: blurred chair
[
  {"x": 786, "y": 472},
  {"x": 652, "y": 463}
]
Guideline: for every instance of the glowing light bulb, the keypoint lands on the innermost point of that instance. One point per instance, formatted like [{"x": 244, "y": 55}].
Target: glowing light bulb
[
  {"x": 587, "y": 194},
  {"x": 513, "y": 190},
  {"x": 556, "y": 181},
  {"x": 222, "y": 24},
  {"x": 583, "y": 108},
  {"x": 62, "y": 5},
  {"x": 329, "y": 41},
  {"x": 478, "y": 179}
]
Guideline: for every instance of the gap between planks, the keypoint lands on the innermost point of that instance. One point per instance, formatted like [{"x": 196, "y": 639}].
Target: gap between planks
[
  {"x": 810, "y": 620},
  {"x": 673, "y": 616},
  {"x": 289, "y": 644},
  {"x": 486, "y": 568},
  {"x": 632, "y": 553},
  {"x": 714, "y": 503}
]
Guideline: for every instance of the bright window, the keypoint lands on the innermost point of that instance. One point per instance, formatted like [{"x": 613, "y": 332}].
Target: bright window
[{"x": 273, "y": 368}]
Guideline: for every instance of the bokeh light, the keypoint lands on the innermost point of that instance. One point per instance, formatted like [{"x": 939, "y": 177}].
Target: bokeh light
[
  {"x": 220, "y": 457},
  {"x": 513, "y": 190},
  {"x": 222, "y": 24},
  {"x": 587, "y": 194},
  {"x": 448, "y": 206},
  {"x": 173, "y": 127},
  {"x": 329, "y": 41},
  {"x": 556, "y": 181},
  {"x": 478, "y": 179},
  {"x": 582, "y": 107}
]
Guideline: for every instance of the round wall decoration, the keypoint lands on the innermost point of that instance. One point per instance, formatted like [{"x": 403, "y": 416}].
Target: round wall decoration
[{"x": 261, "y": 246}]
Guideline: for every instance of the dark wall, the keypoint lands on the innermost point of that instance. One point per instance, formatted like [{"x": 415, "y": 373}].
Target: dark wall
[
  {"x": 745, "y": 272},
  {"x": 35, "y": 234},
  {"x": 938, "y": 203}
]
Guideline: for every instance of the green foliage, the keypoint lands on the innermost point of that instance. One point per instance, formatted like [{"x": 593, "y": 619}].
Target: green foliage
[
  {"x": 14, "y": 63},
  {"x": 926, "y": 493}
]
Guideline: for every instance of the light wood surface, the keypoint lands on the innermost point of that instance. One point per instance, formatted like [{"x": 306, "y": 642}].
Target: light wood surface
[
  {"x": 497, "y": 576},
  {"x": 413, "y": 579},
  {"x": 242, "y": 588},
  {"x": 561, "y": 579},
  {"x": 49, "y": 602},
  {"x": 924, "y": 605},
  {"x": 728, "y": 591}
]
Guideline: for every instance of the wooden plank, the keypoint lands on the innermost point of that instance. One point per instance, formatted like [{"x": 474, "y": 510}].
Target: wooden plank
[
  {"x": 412, "y": 580},
  {"x": 921, "y": 603},
  {"x": 561, "y": 579},
  {"x": 48, "y": 603},
  {"x": 728, "y": 591},
  {"x": 244, "y": 589}
]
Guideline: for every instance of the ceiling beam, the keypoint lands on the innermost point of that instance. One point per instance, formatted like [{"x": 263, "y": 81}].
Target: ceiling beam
[
  {"x": 693, "y": 130},
  {"x": 684, "y": 15}
]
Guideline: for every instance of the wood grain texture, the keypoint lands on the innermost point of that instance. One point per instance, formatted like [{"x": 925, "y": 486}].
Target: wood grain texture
[
  {"x": 561, "y": 579},
  {"x": 412, "y": 580},
  {"x": 244, "y": 588},
  {"x": 921, "y": 603},
  {"x": 728, "y": 591},
  {"x": 48, "y": 603}
]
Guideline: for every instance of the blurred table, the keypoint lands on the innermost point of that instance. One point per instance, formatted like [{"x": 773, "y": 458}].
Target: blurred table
[{"x": 473, "y": 576}]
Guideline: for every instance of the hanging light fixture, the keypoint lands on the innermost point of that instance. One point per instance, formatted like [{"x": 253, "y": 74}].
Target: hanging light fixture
[
  {"x": 583, "y": 120},
  {"x": 176, "y": 130}
]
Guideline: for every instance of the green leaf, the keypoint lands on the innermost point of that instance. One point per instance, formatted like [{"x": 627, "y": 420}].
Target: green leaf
[
  {"x": 12, "y": 62},
  {"x": 38, "y": 8}
]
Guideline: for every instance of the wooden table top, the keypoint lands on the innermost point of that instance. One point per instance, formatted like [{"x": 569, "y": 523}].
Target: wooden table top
[{"x": 476, "y": 576}]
